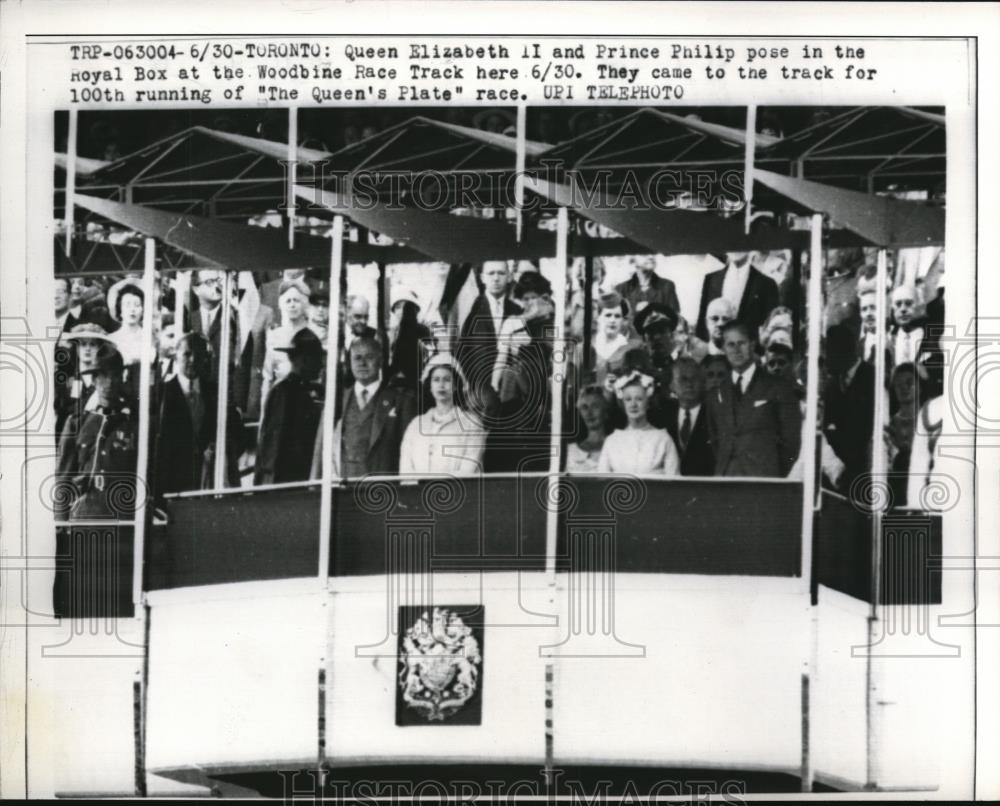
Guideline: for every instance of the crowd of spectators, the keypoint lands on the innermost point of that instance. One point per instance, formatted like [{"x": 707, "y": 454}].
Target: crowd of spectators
[{"x": 648, "y": 393}]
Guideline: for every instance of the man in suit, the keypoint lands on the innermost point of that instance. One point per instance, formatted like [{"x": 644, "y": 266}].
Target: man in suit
[
  {"x": 687, "y": 419},
  {"x": 908, "y": 329},
  {"x": 291, "y": 417},
  {"x": 185, "y": 434},
  {"x": 848, "y": 404},
  {"x": 375, "y": 416},
  {"x": 752, "y": 293},
  {"x": 720, "y": 312},
  {"x": 754, "y": 419},
  {"x": 206, "y": 320},
  {"x": 645, "y": 286},
  {"x": 477, "y": 342}
]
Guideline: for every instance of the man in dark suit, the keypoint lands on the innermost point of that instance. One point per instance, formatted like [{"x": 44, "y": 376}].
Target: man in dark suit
[
  {"x": 207, "y": 322},
  {"x": 848, "y": 404},
  {"x": 291, "y": 417},
  {"x": 645, "y": 286},
  {"x": 375, "y": 416},
  {"x": 754, "y": 419},
  {"x": 477, "y": 342},
  {"x": 752, "y": 293},
  {"x": 687, "y": 419},
  {"x": 185, "y": 436}
]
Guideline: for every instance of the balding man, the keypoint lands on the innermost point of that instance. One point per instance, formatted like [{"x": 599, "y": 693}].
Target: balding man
[
  {"x": 907, "y": 331},
  {"x": 720, "y": 313}
]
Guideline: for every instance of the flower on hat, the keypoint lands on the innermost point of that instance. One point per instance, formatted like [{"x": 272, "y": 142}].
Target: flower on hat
[{"x": 634, "y": 377}]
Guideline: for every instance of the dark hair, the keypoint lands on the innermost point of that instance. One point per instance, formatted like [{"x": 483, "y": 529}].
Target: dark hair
[
  {"x": 135, "y": 291},
  {"x": 197, "y": 342},
  {"x": 458, "y": 397},
  {"x": 532, "y": 282},
  {"x": 839, "y": 339},
  {"x": 743, "y": 327},
  {"x": 713, "y": 358}
]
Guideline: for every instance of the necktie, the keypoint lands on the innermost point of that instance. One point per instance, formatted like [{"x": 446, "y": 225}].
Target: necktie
[
  {"x": 739, "y": 387},
  {"x": 685, "y": 433},
  {"x": 364, "y": 398}
]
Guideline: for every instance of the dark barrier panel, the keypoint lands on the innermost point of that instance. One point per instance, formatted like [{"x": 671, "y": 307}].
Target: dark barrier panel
[
  {"x": 443, "y": 524},
  {"x": 911, "y": 553},
  {"x": 209, "y": 540},
  {"x": 680, "y": 526},
  {"x": 94, "y": 572}
]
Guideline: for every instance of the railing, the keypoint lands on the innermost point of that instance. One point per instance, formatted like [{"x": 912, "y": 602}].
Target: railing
[{"x": 498, "y": 523}]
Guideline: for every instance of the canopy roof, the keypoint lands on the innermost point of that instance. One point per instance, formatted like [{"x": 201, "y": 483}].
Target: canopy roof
[
  {"x": 238, "y": 246},
  {"x": 228, "y": 175},
  {"x": 653, "y": 138},
  {"x": 423, "y": 144},
  {"x": 870, "y": 148}
]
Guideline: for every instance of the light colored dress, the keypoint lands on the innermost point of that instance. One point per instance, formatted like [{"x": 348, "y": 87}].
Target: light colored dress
[
  {"x": 454, "y": 444},
  {"x": 130, "y": 344},
  {"x": 580, "y": 461},
  {"x": 639, "y": 451}
]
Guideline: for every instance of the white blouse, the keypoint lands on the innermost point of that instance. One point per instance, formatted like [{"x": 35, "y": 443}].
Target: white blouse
[
  {"x": 639, "y": 451},
  {"x": 130, "y": 344},
  {"x": 580, "y": 461},
  {"x": 452, "y": 445}
]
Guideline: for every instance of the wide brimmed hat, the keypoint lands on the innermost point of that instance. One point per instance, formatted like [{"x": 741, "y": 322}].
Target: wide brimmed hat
[
  {"x": 108, "y": 360},
  {"x": 128, "y": 284},
  {"x": 88, "y": 331},
  {"x": 304, "y": 342},
  {"x": 405, "y": 295}
]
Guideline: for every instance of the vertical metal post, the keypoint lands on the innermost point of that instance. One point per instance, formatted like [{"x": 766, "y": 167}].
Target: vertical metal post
[
  {"x": 293, "y": 146},
  {"x": 330, "y": 399},
  {"x": 748, "y": 157},
  {"x": 222, "y": 392},
  {"x": 588, "y": 307},
  {"x": 182, "y": 290},
  {"x": 559, "y": 365},
  {"x": 142, "y": 459},
  {"x": 519, "y": 166},
  {"x": 814, "y": 304},
  {"x": 878, "y": 476},
  {"x": 68, "y": 213}
]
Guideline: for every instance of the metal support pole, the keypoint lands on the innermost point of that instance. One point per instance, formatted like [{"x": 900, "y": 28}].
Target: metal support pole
[
  {"x": 142, "y": 460},
  {"x": 519, "y": 167},
  {"x": 330, "y": 399},
  {"x": 559, "y": 365},
  {"x": 809, "y": 487},
  {"x": 222, "y": 392},
  {"x": 878, "y": 476},
  {"x": 293, "y": 145},
  {"x": 182, "y": 290},
  {"x": 748, "y": 159},
  {"x": 588, "y": 308},
  {"x": 70, "y": 179}
]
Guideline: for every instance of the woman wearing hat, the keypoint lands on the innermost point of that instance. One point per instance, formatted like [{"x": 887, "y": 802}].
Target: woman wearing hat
[
  {"x": 408, "y": 340},
  {"x": 448, "y": 437},
  {"x": 639, "y": 448},
  {"x": 126, "y": 301}
]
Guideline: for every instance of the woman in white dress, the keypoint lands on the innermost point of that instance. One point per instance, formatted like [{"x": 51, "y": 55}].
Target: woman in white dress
[
  {"x": 448, "y": 437},
  {"x": 639, "y": 448},
  {"x": 582, "y": 455}
]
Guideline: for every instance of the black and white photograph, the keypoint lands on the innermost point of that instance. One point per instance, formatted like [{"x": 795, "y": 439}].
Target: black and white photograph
[{"x": 604, "y": 440}]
